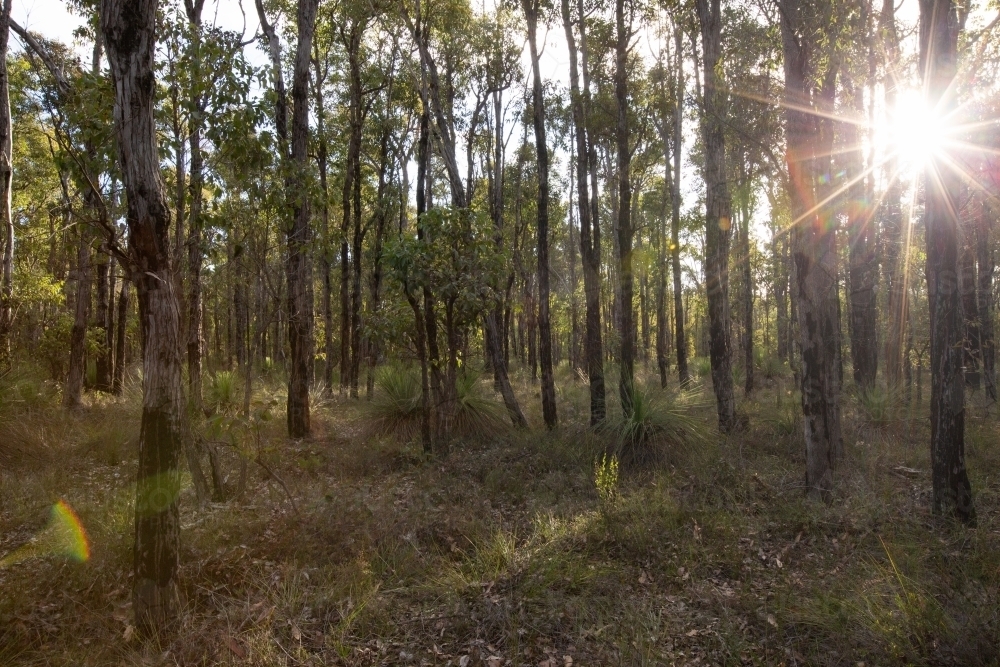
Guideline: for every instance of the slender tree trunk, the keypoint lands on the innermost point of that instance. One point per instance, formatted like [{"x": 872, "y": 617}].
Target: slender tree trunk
[
  {"x": 531, "y": 8},
  {"x": 129, "y": 29},
  {"x": 625, "y": 231},
  {"x": 195, "y": 332},
  {"x": 718, "y": 216},
  {"x": 862, "y": 257},
  {"x": 103, "y": 361},
  {"x": 122, "y": 328},
  {"x": 972, "y": 350},
  {"x": 747, "y": 276},
  {"x": 985, "y": 258},
  {"x": 299, "y": 264},
  {"x": 952, "y": 492},
  {"x": 6, "y": 179},
  {"x": 78, "y": 334},
  {"x": 326, "y": 246},
  {"x": 680, "y": 340},
  {"x": 589, "y": 231}
]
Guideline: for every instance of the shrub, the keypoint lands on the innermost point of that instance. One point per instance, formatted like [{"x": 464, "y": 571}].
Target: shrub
[
  {"x": 395, "y": 405},
  {"x": 223, "y": 392},
  {"x": 702, "y": 366},
  {"x": 660, "y": 423},
  {"x": 478, "y": 412}
]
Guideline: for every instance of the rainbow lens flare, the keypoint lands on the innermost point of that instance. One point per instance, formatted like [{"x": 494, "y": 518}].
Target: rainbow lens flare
[{"x": 63, "y": 536}]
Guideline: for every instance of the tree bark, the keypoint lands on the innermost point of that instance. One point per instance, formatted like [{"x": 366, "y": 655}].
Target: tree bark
[
  {"x": 862, "y": 257},
  {"x": 626, "y": 361},
  {"x": 78, "y": 334},
  {"x": 195, "y": 333},
  {"x": 814, "y": 255},
  {"x": 952, "y": 492},
  {"x": 531, "y": 9},
  {"x": 985, "y": 259},
  {"x": 589, "y": 230},
  {"x": 122, "y": 327},
  {"x": 680, "y": 340},
  {"x": 129, "y": 29},
  {"x": 6, "y": 180},
  {"x": 299, "y": 263},
  {"x": 326, "y": 246},
  {"x": 103, "y": 361},
  {"x": 718, "y": 215}
]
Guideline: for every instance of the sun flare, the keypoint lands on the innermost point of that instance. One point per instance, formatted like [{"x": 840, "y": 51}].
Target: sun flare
[{"x": 915, "y": 131}]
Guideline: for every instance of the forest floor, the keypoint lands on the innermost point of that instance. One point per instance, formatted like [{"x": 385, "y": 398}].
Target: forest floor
[{"x": 502, "y": 552}]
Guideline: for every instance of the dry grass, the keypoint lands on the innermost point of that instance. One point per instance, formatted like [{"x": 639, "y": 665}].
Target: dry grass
[{"x": 504, "y": 549}]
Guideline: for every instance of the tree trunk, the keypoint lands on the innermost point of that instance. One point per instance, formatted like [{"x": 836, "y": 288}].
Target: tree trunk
[
  {"x": 680, "y": 340},
  {"x": 984, "y": 252},
  {"x": 299, "y": 266},
  {"x": 952, "y": 492},
  {"x": 129, "y": 29},
  {"x": 862, "y": 257},
  {"x": 325, "y": 244},
  {"x": 626, "y": 381},
  {"x": 103, "y": 361},
  {"x": 122, "y": 327},
  {"x": 195, "y": 333},
  {"x": 718, "y": 216},
  {"x": 6, "y": 179},
  {"x": 589, "y": 231},
  {"x": 531, "y": 9},
  {"x": 815, "y": 259},
  {"x": 78, "y": 334},
  {"x": 747, "y": 299}
]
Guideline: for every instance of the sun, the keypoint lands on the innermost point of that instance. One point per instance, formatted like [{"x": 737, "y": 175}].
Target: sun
[{"x": 915, "y": 131}]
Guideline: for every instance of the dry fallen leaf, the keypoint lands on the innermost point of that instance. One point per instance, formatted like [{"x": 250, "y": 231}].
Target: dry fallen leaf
[
  {"x": 296, "y": 633},
  {"x": 494, "y": 661},
  {"x": 567, "y": 661},
  {"x": 235, "y": 647},
  {"x": 692, "y": 633},
  {"x": 129, "y": 632},
  {"x": 772, "y": 620},
  {"x": 464, "y": 661}
]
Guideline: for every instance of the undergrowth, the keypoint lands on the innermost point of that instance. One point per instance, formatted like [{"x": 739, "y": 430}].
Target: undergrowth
[{"x": 513, "y": 549}]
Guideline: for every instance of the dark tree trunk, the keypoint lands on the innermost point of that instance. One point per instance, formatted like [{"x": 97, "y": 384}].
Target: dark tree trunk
[
  {"x": 103, "y": 361},
  {"x": 195, "y": 332},
  {"x": 326, "y": 245},
  {"x": 6, "y": 179},
  {"x": 952, "y": 492},
  {"x": 984, "y": 253},
  {"x": 972, "y": 350},
  {"x": 299, "y": 266},
  {"x": 747, "y": 275},
  {"x": 815, "y": 258},
  {"x": 862, "y": 256},
  {"x": 589, "y": 231},
  {"x": 718, "y": 216},
  {"x": 129, "y": 29},
  {"x": 625, "y": 231},
  {"x": 78, "y": 334},
  {"x": 122, "y": 328},
  {"x": 531, "y": 9},
  {"x": 680, "y": 340}
]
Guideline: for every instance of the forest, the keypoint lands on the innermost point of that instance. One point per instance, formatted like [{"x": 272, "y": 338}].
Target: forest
[{"x": 499, "y": 332}]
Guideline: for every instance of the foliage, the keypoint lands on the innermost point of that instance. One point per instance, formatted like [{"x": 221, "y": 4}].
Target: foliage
[
  {"x": 881, "y": 407},
  {"x": 222, "y": 392},
  {"x": 661, "y": 423},
  {"x": 606, "y": 478}
]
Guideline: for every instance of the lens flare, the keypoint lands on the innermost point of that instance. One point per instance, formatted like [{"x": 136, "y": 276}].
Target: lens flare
[{"x": 63, "y": 536}]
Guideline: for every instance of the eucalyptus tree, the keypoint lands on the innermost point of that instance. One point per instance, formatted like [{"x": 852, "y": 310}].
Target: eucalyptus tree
[
  {"x": 295, "y": 161},
  {"x": 588, "y": 208},
  {"x": 439, "y": 111},
  {"x": 622, "y": 45},
  {"x": 129, "y": 30},
  {"x": 718, "y": 212},
  {"x": 6, "y": 177},
  {"x": 532, "y": 10},
  {"x": 941, "y": 22},
  {"x": 809, "y": 78}
]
